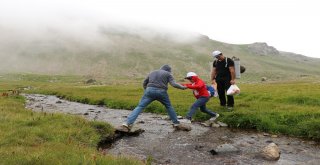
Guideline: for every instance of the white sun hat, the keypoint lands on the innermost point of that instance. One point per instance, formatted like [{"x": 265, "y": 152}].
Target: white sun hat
[
  {"x": 190, "y": 74},
  {"x": 216, "y": 53}
]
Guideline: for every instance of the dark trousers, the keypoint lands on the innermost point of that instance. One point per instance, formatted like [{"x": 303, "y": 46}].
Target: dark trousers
[{"x": 223, "y": 86}]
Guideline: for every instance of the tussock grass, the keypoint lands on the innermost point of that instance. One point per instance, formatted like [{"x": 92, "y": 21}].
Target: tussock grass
[{"x": 40, "y": 138}]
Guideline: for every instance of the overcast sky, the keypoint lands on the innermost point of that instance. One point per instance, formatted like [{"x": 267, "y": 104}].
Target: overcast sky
[{"x": 288, "y": 25}]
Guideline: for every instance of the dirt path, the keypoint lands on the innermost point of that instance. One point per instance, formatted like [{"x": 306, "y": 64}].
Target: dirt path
[{"x": 166, "y": 146}]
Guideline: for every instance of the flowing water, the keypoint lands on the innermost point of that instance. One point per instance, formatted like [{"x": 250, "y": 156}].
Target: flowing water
[{"x": 164, "y": 145}]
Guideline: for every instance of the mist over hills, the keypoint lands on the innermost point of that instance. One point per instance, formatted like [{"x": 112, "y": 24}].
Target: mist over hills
[{"x": 131, "y": 53}]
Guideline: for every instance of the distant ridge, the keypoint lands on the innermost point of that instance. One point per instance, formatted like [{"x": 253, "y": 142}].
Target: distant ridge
[{"x": 126, "y": 53}]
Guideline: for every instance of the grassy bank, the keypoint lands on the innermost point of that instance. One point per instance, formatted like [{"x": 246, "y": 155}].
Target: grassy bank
[
  {"x": 40, "y": 138},
  {"x": 291, "y": 108}
]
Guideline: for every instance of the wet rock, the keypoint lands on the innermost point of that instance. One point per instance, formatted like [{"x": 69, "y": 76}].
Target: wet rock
[
  {"x": 165, "y": 118},
  {"x": 226, "y": 148},
  {"x": 209, "y": 123},
  {"x": 213, "y": 152},
  {"x": 266, "y": 134},
  {"x": 215, "y": 125},
  {"x": 270, "y": 152},
  {"x": 199, "y": 147},
  {"x": 86, "y": 113},
  {"x": 140, "y": 122},
  {"x": 206, "y": 124},
  {"x": 222, "y": 124},
  {"x": 251, "y": 141},
  {"x": 224, "y": 138},
  {"x": 59, "y": 102},
  {"x": 269, "y": 141},
  {"x": 244, "y": 144},
  {"x": 156, "y": 117},
  {"x": 126, "y": 131},
  {"x": 183, "y": 127},
  {"x": 179, "y": 117}
]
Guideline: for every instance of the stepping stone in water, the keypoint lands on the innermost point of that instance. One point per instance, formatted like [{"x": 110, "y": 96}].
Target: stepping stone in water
[{"x": 133, "y": 131}]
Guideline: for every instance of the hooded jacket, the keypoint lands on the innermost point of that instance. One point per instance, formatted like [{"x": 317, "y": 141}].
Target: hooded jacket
[
  {"x": 199, "y": 87},
  {"x": 160, "y": 79}
]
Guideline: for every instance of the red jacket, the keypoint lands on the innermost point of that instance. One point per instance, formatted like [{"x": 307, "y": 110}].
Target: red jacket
[{"x": 199, "y": 87}]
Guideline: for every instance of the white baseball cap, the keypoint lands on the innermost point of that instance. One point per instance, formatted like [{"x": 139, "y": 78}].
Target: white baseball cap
[
  {"x": 216, "y": 53},
  {"x": 190, "y": 74}
]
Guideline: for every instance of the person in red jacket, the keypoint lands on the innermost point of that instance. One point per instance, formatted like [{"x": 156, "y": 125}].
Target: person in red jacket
[{"x": 201, "y": 93}]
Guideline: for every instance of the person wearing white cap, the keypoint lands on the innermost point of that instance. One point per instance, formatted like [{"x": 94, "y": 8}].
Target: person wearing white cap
[
  {"x": 202, "y": 95},
  {"x": 223, "y": 74}
]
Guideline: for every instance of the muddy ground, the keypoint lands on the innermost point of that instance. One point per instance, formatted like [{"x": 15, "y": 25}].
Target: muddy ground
[{"x": 166, "y": 146}]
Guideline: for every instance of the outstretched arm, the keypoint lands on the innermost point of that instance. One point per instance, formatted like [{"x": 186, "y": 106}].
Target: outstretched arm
[{"x": 174, "y": 84}]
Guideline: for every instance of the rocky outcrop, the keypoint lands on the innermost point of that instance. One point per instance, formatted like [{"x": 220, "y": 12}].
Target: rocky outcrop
[{"x": 262, "y": 48}]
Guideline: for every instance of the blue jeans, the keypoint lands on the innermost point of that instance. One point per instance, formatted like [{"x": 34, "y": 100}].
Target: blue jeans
[
  {"x": 200, "y": 102},
  {"x": 151, "y": 94}
]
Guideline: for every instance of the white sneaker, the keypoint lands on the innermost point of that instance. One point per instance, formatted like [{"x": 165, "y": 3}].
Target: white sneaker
[
  {"x": 127, "y": 126},
  {"x": 185, "y": 121},
  {"x": 214, "y": 118}
]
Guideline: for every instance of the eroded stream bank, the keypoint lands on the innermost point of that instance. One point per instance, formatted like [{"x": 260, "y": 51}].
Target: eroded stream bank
[{"x": 166, "y": 146}]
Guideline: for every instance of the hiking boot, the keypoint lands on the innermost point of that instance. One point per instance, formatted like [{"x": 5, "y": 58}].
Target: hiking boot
[
  {"x": 182, "y": 127},
  {"x": 214, "y": 118},
  {"x": 128, "y": 126},
  {"x": 176, "y": 125},
  {"x": 187, "y": 121}
]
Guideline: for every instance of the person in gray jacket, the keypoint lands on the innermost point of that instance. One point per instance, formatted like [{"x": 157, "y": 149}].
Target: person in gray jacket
[{"x": 156, "y": 86}]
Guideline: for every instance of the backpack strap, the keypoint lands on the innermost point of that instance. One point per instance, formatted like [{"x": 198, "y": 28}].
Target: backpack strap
[{"x": 226, "y": 62}]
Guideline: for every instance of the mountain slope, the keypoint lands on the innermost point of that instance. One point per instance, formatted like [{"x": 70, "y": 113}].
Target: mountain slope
[{"x": 120, "y": 53}]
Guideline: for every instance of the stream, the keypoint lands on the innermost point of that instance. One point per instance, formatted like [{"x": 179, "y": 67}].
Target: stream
[{"x": 165, "y": 145}]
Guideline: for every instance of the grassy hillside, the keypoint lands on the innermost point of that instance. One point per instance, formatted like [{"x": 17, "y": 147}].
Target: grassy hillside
[{"x": 122, "y": 54}]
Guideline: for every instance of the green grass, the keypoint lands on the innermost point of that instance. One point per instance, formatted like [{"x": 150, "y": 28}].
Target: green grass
[
  {"x": 39, "y": 138},
  {"x": 291, "y": 108}
]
